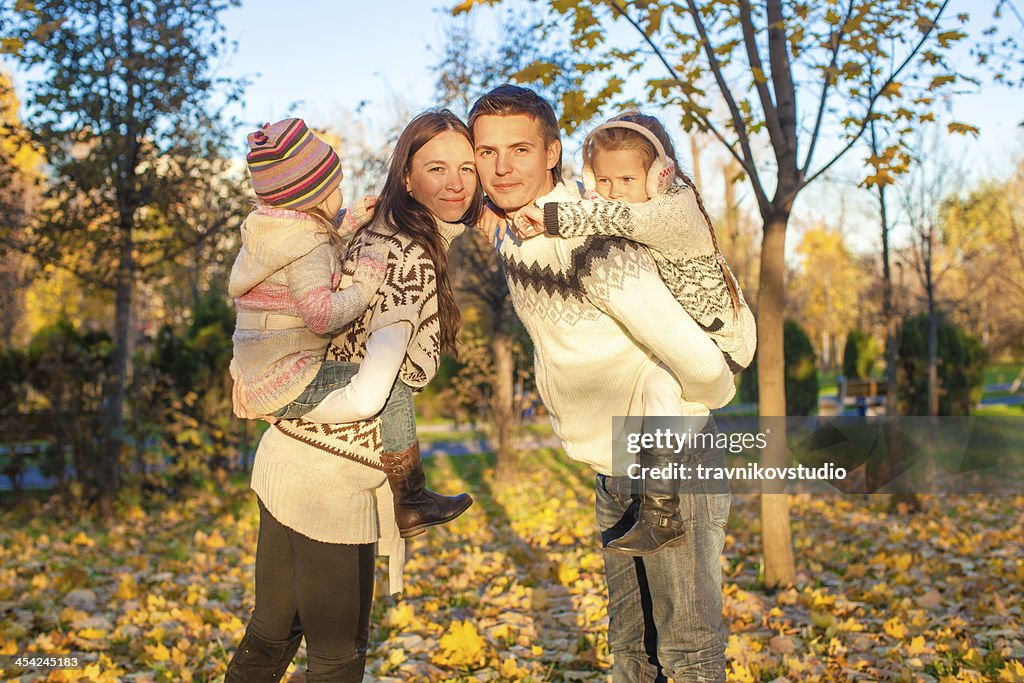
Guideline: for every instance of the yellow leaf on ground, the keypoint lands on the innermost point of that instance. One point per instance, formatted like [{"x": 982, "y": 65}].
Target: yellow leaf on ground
[
  {"x": 462, "y": 645},
  {"x": 91, "y": 633},
  {"x": 127, "y": 588},
  {"x": 158, "y": 653},
  {"x": 741, "y": 674},
  {"x": 83, "y": 540},
  {"x": 1012, "y": 672},
  {"x": 895, "y": 628},
  {"x": 510, "y": 670},
  {"x": 567, "y": 574},
  {"x": 918, "y": 646},
  {"x": 973, "y": 659},
  {"x": 215, "y": 541},
  {"x": 400, "y": 616}
]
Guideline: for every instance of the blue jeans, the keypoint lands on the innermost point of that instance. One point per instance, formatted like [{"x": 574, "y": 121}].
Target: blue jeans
[
  {"x": 397, "y": 419},
  {"x": 665, "y": 609}
]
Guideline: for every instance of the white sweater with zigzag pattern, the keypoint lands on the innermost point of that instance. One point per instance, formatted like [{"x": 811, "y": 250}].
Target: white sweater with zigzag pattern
[{"x": 601, "y": 320}]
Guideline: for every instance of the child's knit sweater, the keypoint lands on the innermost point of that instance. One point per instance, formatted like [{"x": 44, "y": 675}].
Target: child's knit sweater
[
  {"x": 672, "y": 225},
  {"x": 283, "y": 283}
]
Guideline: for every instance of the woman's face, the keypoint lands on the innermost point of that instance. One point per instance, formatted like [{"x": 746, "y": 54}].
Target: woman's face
[{"x": 442, "y": 176}]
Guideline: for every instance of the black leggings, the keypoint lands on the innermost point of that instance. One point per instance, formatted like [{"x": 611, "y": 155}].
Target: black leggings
[{"x": 322, "y": 590}]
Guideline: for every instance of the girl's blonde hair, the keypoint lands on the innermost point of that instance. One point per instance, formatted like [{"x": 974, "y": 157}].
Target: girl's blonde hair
[
  {"x": 611, "y": 138},
  {"x": 326, "y": 223}
]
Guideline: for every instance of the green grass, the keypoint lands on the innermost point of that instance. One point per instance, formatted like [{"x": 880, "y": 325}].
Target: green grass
[
  {"x": 1000, "y": 411},
  {"x": 448, "y": 435},
  {"x": 1002, "y": 373}
]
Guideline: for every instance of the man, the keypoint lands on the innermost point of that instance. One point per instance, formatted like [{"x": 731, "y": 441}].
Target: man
[{"x": 601, "y": 319}]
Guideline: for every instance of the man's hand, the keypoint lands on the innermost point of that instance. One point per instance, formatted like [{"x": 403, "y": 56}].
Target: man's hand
[{"x": 492, "y": 223}]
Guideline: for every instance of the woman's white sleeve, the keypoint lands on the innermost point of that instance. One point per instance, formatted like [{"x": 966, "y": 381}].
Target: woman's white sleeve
[{"x": 366, "y": 394}]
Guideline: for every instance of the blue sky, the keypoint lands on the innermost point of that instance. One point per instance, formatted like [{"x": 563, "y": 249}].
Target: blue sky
[
  {"x": 334, "y": 56},
  {"x": 329, "y": 58},
  {"x": 320, "y": 60}
]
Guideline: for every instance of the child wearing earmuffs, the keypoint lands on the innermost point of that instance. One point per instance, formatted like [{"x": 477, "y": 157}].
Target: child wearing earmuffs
[{"x": 630, "y": 160}]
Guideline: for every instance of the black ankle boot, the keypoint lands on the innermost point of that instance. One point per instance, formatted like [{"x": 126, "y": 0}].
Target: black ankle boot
[
  {"x": 261, "y": 661},
  {"x": 659, "y": 523},
  {"x": 416, "y": 507}
]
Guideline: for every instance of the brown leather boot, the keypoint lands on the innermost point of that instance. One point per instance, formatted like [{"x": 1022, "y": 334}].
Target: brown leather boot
[
  {"x": 659, "y": 523},
  {"x": 416, "y": 507}
]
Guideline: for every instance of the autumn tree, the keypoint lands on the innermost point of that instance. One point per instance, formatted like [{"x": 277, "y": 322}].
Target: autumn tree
[
  {"x": 984, "y": 227},
  {"x": 828, "y": 289},
  {"x": 20, "y": 174},
  {"x": 800, "y": 83},
  {"x": 122, "y": 110}
]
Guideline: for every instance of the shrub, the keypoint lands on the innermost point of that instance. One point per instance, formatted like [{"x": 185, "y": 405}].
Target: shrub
[
  {"x": 801, "y": 372},
  {"x": 860, "y": 354},
  {"x": 961, "y": 365}
]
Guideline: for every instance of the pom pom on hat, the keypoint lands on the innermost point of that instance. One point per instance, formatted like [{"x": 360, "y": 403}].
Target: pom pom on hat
[{"x": 290, "y": 167}]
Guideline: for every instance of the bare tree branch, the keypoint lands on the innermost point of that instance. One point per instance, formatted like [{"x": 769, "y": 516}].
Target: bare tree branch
[
  {"x": 737, "y": 119},
  {"x": 785, "y": 96},
  {"x": 835, "y": 38},
  {"x": 760, "y": 78},
  {"x": 878, "y": 93}
]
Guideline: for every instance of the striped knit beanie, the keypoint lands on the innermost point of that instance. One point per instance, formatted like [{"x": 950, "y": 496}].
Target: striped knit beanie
[{"x": 291, "y": 168}]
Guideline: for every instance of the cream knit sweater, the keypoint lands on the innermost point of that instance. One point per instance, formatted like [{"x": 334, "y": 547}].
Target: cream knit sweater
[
  {"x": 601, "y": 319},
  {"x": 327, "y": 481}
]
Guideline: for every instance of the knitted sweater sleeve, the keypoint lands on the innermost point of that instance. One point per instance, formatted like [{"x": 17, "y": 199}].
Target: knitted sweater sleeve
[
  {"x": 663, "y": 326},
  {"x": 366, "y": 394},
  {"x": 666, "y": 223},
  {"x": 310, "y": 279}
]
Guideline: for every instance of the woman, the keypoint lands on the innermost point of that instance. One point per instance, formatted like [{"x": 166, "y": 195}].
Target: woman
[{"x": 321, "y": 487}]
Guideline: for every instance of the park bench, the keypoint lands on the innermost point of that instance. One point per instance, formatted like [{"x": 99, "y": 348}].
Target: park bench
[
  {"x": 26, "y": 444},
  {"x": 861, "y": 394}
]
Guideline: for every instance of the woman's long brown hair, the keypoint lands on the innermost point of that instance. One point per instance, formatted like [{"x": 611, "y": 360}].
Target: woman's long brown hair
[{"x": 398, "y": 211}]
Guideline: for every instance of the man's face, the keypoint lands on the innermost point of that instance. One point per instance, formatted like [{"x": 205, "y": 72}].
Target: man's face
[{"x": 513, "y": 162}]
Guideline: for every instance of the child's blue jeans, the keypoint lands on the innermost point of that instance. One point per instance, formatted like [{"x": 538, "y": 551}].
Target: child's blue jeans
[{"x": 397, "y": 419}]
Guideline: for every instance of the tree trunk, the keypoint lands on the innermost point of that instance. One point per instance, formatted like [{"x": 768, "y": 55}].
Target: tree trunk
[
  {"x": 776, "y": 535},
  {"x": 894, "y": 450},
  {"x": 109, "y": 454},
  {"x": 503, "y": 405},
  {"x": 933, "y": 330}
]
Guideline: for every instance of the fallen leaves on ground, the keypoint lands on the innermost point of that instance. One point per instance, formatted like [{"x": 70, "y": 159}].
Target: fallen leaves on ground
[{"x": 514, "y": 590}]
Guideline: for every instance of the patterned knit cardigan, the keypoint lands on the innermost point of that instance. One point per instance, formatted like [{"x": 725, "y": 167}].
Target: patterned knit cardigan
[{"x": 327, "y": 481}]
